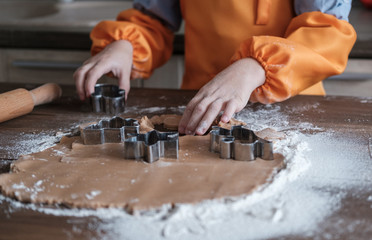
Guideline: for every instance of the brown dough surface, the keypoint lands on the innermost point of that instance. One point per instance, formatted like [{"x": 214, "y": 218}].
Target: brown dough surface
[
  {"x": 270, "y": 134},
  {"x": 94, "y": 176},
  {"x": 170, "y": 121},
  {"x": 232, "y": 122}
]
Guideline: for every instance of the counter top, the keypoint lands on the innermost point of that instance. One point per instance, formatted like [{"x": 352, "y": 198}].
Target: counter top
[
  {"x": 333, "y": 193},
  {"x": 58, "y": 25},
  {"x": 69, "y": 16},
  {"x": 61, "y": 25}
]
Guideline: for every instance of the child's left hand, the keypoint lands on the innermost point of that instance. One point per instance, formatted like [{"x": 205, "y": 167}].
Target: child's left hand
[{"x": 229, "y": 91}]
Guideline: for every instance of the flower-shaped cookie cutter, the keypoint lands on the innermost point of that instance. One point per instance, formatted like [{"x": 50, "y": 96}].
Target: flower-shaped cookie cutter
[
  {"x": 114, "y": 130},
  {"x": 152, "y": 146},
  {"x": 108, "y": 99},
  {"x": 239, "y": 143}
]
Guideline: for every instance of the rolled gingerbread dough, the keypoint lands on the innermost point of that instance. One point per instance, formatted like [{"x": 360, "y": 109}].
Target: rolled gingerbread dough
[{"x": 94, "y": 176}]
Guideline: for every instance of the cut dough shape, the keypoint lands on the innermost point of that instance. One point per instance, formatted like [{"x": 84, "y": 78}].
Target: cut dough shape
[
  {"x": 270, "y": 134},
  {"x": 170, "y": 121},
  {"x": 232, "y": 122},
  {"x": 94, "y": 176},
  {"x": 145, "y": 125}
]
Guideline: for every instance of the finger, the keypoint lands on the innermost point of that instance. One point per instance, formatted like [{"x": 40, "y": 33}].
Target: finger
[
  {"x": 209, "y": 116},
  {"x": 187, "y": 114},
  {"x": 229, "y": 111},
  {"x": 92, "y": 77},
  {"x": 124, "y": 83},
  {"x": 185, "y": 118},
  {"x": 79, "y": 77},
  {"x": 197, "y": 114}
]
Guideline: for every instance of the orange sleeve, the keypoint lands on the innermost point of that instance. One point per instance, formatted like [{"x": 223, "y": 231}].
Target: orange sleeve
[
  {"x": 315, "y": 46},
  {"x": 152, "y": 42}
]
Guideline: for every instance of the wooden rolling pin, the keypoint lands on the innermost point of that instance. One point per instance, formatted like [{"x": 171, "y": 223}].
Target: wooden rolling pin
[{"x": 21, "y": 101}]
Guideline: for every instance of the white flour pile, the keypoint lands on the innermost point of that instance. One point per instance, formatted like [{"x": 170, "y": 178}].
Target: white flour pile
[{"x": 295, "y": 202}]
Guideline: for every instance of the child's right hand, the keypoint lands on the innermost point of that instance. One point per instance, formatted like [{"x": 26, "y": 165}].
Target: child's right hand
[
  {"x": 229, "y": 91},
  {"x": 115, "y": 58}
]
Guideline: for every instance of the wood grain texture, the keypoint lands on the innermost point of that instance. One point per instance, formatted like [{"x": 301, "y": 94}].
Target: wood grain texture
[
  {"x": 20, "y": 101},
  {"x": 342, "y": 115},
  {"x": 15, "y": 103}
]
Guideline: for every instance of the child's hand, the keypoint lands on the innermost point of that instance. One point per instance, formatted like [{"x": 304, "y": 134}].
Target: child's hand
[
  {"x": 229, "y": 92},
  {"x": 115, "y": 58}
]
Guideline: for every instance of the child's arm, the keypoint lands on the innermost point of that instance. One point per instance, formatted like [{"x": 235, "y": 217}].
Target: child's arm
[
  {"x": 151, "y": 40},
  {"x": 316, "y": 45}
]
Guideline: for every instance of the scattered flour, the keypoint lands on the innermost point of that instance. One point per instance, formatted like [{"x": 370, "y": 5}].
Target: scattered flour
[
  {"x": 30, "y": 143},
  {"x": 153, "y": 109},
  {"x": 294, "y": 202},
  {"x": 92, "y": 194}
]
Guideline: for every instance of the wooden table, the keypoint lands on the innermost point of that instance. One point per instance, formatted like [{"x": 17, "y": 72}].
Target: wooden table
[{"x": 347, "y": 116}]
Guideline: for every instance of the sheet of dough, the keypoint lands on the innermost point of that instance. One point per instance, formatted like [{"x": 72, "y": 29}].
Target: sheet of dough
[{"x": 78, "y": 175}]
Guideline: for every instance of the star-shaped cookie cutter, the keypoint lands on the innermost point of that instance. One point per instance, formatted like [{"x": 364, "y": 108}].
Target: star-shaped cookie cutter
[
  {"x": 239, "y": 143},
  {"x": 108, "y": 99},
  {"x": 150, "y": 146},
  {"x": 114, "y": 130}
]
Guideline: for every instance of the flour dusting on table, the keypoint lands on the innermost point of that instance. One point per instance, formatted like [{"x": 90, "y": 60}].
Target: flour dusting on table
[
  {"x": 288, "y": 204},
  {"x": 30, "y": 143}
]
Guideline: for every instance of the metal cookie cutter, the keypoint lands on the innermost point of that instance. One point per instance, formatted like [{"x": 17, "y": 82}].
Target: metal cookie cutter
[
  {"x": 149, "y": 146},
  {"x": 113, "y": 130},
  {"x": 239, "y": 143},
  {"x": 152, "y": 146},
  {"x": 108, "y": 98}
]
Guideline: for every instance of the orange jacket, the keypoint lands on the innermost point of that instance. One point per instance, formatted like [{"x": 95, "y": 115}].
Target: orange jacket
[{"x": 297, "y": 52}]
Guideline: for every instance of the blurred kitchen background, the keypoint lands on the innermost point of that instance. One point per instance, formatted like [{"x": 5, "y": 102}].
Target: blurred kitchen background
[{"x": 46, "y": 40}]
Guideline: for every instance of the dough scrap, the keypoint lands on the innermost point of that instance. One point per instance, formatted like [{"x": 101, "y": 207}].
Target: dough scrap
[
  {"x": 232, "y": 122},
  {"x": 270, "y": 134},
  {"x": 145, "y": 125},
  {"x": 95, "y": 176},
  {"x": 170, "y": 121}
]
